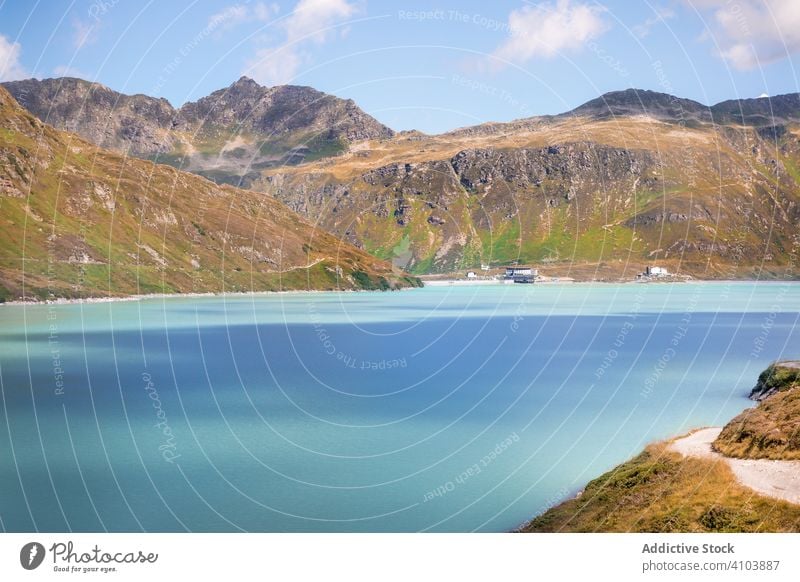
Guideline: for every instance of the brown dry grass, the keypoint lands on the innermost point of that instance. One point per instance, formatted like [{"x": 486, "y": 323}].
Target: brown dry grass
[
  {"x": 629, "y": 132},
  {"x": 661, "y": 491},
  {"x": 769, "y": 431}
]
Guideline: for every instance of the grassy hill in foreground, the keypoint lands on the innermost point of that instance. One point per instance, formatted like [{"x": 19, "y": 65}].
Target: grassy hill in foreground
[
  {"x": 772, "y": 429},
  {"x": 662, "y": 491},
  {"x": 79, "y": 221}
]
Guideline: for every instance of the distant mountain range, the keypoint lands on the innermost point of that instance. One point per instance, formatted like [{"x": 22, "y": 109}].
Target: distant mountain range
[
  {"x": 227, "y": 136},
  {"x": 628, "y": 179},
  {"x": 754, "y": 112},
  {"x": 79, "y": 221}
]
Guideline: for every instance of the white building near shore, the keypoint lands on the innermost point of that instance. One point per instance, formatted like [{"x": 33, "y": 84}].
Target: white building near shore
[
  {"x": 656, "y": 272},
  {"x": 521, "y": 274}
]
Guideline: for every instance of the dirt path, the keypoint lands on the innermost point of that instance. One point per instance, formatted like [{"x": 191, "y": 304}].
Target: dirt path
[{"x": 778, "y": 479}]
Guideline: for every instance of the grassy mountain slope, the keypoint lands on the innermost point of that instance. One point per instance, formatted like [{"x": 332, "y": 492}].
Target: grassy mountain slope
[{"x": 81, "y": 221}]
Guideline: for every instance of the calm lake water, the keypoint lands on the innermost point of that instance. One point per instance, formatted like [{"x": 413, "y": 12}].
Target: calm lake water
[{"x": 439, "y": 409}]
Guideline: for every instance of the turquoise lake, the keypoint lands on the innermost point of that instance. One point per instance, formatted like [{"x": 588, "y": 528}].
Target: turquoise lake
[{"x": 437, "y": 409}]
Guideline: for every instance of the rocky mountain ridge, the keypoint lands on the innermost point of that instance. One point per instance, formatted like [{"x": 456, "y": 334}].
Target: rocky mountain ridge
[
  {"x": 759, "y": 112},
  {"x": 225, "y": 136}
]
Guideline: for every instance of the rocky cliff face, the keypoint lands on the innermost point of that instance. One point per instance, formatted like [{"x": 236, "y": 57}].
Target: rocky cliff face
[
  {"x": 132, "y": 123},
  {"x": 226, "y": 136},
  {"x": 275, "y": 111},
  {"x": 568, "y": 203},
  {"x": 479, "y": 206}
]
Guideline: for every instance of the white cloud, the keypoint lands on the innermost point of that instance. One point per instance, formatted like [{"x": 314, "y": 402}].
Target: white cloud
[
  {"x": 312, "y": 21},
  {"x": 10, "y": 67},
  {"x": 228, "y": 17},
  {"x": 69, "y": 71},
  {"x": 263, "y": 11},
  {"x": 276, "y": 66},
  {"x": 546, "y": 29},
  {"x": 751, "y": 33},
  {"x": 83, "y": 33},
  {"x": 236, "y": 14},
  {"x": 661, "y": 15}
]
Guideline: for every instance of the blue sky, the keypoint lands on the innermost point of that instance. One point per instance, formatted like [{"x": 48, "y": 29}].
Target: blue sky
[{"x": 431, "y": 66}]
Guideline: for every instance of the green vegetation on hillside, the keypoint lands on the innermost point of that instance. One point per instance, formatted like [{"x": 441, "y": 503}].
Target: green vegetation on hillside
[{"x": 778, "y": 377}]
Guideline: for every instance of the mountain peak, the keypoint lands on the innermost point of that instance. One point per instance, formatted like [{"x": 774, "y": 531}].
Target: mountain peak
[
  {"x": 274, "y": 125},
  {"x": 641, "y": 102},
  {"x": 245, "y": 81}
]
